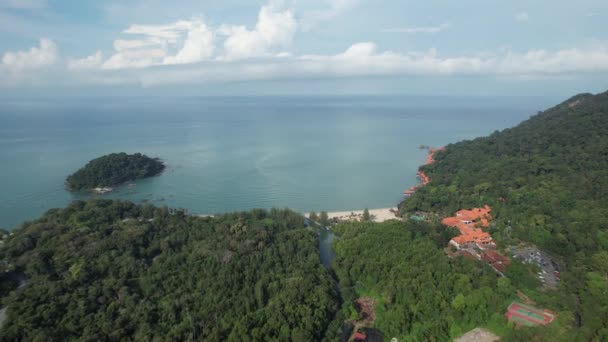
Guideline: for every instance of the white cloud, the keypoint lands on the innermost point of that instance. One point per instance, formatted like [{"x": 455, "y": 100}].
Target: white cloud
[
  {"x": 90, "y": 62},
  {"x": 36, "y": 57},
  {"x": 197, "y": 47},
  {"x": 190, "y": 51},
  {"x": 275, "y": 28},
  {"x": 429, "y": 29},
  {"x": 135, "y": 58},
  {"x": 192, "y": 41},
  {"x": 170, "y": 33},
  {"x": 592, "y": 58},
  {"x": 365, "y": 59},
  {"x": 359, "y": 60},
  {"x": 523, "y": 16},
  {"x": 131, "y": 44}
]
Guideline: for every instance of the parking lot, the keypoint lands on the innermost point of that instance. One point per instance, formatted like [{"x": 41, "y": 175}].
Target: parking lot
[{"x": 549, "y": 271}]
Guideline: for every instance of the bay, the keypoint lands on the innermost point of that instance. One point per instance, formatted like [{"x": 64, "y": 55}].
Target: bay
[{"x": 236, "y": 153}]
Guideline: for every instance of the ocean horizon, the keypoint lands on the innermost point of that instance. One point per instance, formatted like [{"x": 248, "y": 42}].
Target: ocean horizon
[{"x": 224, "y": 154}]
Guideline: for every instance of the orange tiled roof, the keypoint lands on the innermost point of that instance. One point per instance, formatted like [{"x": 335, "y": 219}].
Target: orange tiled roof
[{"x": 468, "y": 222}]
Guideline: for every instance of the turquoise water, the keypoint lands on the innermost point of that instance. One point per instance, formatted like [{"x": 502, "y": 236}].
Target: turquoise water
[{"x": 227, "y": 154}]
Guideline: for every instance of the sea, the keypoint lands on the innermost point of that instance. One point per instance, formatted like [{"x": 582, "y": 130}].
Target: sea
[{"x": 224, "y": 154}]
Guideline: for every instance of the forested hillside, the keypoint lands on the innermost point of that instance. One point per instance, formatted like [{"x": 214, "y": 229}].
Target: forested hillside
[
  {"x": 420, "y": 293},
  {"x": 113, "y": 270},
  {"x": 547, "y": 182}
]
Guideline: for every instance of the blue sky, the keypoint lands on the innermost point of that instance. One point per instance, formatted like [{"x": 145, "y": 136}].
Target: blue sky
[{"x": 303, "y": 46}]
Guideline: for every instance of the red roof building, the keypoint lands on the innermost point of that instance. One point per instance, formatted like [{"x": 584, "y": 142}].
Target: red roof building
[{"x": 470, "y": 224}]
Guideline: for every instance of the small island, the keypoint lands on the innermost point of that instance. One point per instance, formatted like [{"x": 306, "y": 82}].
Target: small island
[{"x": 114, "y": 169}]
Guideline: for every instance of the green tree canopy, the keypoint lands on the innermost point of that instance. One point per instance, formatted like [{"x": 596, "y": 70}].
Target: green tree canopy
[
  {"x": 112, "y": 270},
  {"x": 313, "y": 216},
  {"x": 547, "y": 183},
  {"x": 366, "y": 216},
  {"x": 114, "y": 169}
]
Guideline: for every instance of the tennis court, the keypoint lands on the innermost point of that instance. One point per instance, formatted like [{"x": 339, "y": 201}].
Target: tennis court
[{"x": 527, "y": 315}]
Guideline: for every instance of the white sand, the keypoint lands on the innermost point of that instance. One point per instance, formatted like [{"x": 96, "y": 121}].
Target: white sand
[{"x": 377, "y": 215}]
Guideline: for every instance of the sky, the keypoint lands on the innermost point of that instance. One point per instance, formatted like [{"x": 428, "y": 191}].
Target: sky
[{"x": 238, "y": 47}]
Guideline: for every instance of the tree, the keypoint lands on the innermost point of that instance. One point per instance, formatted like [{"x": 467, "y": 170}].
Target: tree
[
  {"x": 600, "y": 263},
  {"x": 313, "y": 216},
  {"x": 459, "y": 302},
  {"x": 366, "y": 217},
  {"x": 324, "y": 219}
]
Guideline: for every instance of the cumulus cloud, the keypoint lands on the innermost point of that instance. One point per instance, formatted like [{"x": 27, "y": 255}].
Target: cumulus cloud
[
  {"x": 275, "y": 28},
  {"x": 190, "y": 51},
  {"x": 36, "y": 57},
  {"x": 427, "y": 29},
  {"x": 197, "y": 47},
  {"x": 192, "y": 41}
]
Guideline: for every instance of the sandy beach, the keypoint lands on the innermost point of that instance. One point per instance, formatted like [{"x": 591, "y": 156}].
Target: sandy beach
[{"x": 377, "y": 215}]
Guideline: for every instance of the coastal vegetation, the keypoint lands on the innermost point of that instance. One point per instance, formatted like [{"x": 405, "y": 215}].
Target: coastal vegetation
[
  {"x": 547, "y": 183},
  {"x": 114, "y": 169},
  {"x": 324, "y": 219},
  {"x": 420, "y": 293},
  {"x": 366, "y": 216},
  {"x": 114, "y": 270},
  {"x": 104, "y": 269},
  {"x": 313, "y": 216}
]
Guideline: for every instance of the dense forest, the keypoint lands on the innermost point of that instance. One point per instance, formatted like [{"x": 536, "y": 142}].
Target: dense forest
[
  {"x": 547, "y": 182},
  {"x": 111, "y": 270},
  {"x": 114, "y": 169},
  {"x": 114, "y": 270},
  {"x": 421, "y": 294}
]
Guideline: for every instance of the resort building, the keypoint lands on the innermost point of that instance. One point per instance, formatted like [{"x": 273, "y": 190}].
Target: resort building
[{"x": 470, "y": 224}]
